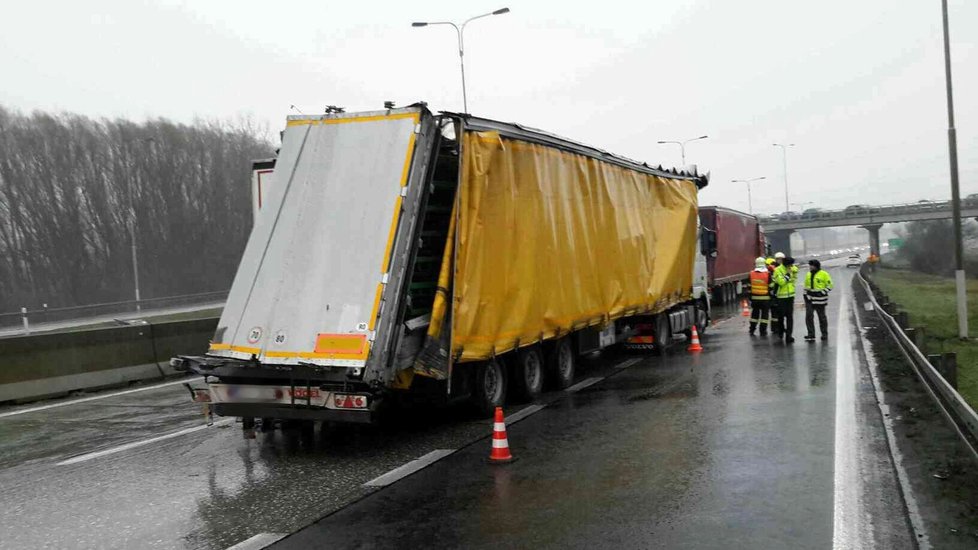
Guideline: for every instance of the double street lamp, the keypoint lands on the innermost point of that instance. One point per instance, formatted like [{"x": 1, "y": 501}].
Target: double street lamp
[
  {"x": 682, "y": 145},
  {"x": 459, "y": 32},
  {"x": 750, "y": 206}
]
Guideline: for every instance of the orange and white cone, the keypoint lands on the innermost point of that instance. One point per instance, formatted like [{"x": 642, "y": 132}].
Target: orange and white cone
[
  {"x": 694, "y": 342},
  {"x": 746, "y": 310},
  {"x": 500, "y": 444}
]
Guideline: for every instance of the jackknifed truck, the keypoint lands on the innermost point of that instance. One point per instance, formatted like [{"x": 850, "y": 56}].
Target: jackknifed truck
[{"x": 401, "y": 254}]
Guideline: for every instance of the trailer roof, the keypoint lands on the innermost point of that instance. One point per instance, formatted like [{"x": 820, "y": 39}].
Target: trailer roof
[{"x": 526, "y": 133}]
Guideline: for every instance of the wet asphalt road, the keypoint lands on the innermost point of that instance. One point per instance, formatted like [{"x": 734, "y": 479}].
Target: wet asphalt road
[{"x": 736, "y": 447}]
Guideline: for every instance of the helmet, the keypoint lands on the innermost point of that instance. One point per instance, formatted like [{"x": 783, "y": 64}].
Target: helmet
[
  {"x": 779, "y": 256},
  {"x": 759, "y": 262},
  {"x": 769, "y": 261}
]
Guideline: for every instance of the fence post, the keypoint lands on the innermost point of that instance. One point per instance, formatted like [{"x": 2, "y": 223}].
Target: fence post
[
  {"x": 23, "y": 315},
  {"x": 902, "y": 319},
  {"x": 919, "y": 338},
  {"x": 950, "y": 370}
]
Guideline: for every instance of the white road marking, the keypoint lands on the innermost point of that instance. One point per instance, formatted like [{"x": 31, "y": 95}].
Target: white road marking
[
  {"x": 628, "y": 362},
  {"x": 261, "y": 540},
  {"x": 847, "y": 517},
  {"x": 523, "y": 413},
  {"x": 913, "y": 510},
  {"x": 142, "y": 443},
  {"x": 407, "y": 469},
  {"x": 100, "y": 396},
  {"x": 583, "y": 384}
]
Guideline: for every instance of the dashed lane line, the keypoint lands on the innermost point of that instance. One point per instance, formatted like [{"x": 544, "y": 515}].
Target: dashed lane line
[
  {"x": 97, "y": 397},
  {"x": 261, "y": 540},
  {"x": 405, "y": 470},
  {"x": 583, "y": 384},
  {"x": 142, "y": 443}
]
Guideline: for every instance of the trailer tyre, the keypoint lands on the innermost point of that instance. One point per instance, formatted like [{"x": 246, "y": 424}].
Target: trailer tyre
[
  {"x": 489, "y": 387},
  {"x": 528, "y": 377},
  {"x": 663, "y": 333},
  {"x": 561, "y": 364}
]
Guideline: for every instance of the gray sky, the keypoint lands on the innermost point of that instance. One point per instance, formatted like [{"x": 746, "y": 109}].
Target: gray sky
[{"x": 857, "y": 85}]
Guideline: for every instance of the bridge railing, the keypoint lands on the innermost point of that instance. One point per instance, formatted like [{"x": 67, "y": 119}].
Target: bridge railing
[{"x": 866, "y": 210}]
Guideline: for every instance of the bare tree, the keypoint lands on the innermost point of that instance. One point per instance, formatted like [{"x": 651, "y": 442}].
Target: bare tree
[{"x": 69, "y": 184}]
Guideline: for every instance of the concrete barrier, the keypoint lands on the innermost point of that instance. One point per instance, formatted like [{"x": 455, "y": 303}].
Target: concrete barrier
[{"x": 51, "y": 364}]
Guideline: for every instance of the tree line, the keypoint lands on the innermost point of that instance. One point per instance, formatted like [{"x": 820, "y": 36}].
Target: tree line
[{"x": 70, "y": 186}]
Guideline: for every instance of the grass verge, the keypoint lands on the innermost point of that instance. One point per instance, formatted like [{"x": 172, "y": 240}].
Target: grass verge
[{"x": 929, "y": 301}]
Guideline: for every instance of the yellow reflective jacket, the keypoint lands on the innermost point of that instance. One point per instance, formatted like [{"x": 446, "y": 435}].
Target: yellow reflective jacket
[{"x": 784, "y": 281}]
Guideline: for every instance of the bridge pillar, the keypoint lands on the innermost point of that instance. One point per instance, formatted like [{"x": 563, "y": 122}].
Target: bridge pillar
[
  {"x": 780, "y": 241},
  {"x": 874, "y": 237}
]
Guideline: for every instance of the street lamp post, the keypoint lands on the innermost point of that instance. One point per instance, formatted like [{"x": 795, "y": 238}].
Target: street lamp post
[
  {"x": 750, "y": 206},
  {"x": 784, "y": 160},
  {"x": 952, "y": 145},
  {"x": 459, "y": 32},
  {"x": 682, "y": 145}
]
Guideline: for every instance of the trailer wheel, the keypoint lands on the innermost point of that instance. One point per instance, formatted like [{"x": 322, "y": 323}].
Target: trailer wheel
[
  {"x": 561, "y": 364},
  {"x": 528, "y": 377},
  {"x": 663, "y": 333},
  {"x": 488, "y": 387},
  {"x": 702, "y": 316}
]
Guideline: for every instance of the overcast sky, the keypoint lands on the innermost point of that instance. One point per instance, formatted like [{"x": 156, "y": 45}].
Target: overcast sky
[{"x": 858, "y": 85}]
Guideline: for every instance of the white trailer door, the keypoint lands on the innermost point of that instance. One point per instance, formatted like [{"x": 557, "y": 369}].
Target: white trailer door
[{"x": 309, "y": 286}]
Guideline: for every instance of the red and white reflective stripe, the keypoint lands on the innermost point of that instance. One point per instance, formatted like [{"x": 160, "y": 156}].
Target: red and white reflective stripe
[
  {"x": 499, "y": 426},
  {"x": 500, "y": 443}
]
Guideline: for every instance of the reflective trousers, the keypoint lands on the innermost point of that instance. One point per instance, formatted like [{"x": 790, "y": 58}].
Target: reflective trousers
[
  {"x": 811, "y": 311},
  {"x": 760, "y": 315}
]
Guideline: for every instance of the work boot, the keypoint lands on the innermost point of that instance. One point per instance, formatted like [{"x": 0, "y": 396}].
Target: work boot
[
  {"x": 810, "y": 338},
  {"x": 824, "y": 337},
  {"x": 789, "y": 340}
]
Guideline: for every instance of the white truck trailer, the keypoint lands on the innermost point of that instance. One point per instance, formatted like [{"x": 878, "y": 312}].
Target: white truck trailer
[{"x": 449, "y": 257}]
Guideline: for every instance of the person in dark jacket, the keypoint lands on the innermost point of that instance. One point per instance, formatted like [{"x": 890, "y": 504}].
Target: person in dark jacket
[{"x": 818, "y": 284}]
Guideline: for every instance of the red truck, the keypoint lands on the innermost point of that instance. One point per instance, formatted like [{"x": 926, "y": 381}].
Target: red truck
[{"x": 731, "y": 242}]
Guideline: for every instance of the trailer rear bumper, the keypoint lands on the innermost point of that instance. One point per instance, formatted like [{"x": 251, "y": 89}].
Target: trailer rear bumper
[{"x": 264, "y": 410}]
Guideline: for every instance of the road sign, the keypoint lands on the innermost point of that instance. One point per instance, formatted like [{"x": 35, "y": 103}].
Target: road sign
[{"x": 895, "y": 243}]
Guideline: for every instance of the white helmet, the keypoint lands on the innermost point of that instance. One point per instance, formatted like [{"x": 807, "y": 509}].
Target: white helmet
[
  {"x": 779, "y": 256},
  {"x": 759, "y": 261}
]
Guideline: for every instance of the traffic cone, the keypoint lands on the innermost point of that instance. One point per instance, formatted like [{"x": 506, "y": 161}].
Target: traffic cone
[
  {"x": 694, "y": 342},
  {"x": 746, "y": 310},
  {"x": 500, "y": 445}
]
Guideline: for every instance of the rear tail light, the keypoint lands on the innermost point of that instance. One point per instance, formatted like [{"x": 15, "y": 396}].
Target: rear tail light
[{"x": 344, "y": 401}]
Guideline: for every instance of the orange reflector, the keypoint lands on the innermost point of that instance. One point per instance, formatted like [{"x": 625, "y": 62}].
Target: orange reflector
[{"x": 340, "y": 343}]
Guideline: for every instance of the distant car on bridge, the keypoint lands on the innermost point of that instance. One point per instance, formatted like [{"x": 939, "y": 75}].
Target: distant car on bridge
[{"x": 854, "y": 260}]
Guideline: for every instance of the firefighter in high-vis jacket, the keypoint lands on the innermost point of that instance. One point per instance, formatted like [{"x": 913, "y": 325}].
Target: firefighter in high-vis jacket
[{"x": 760, "y": 297}]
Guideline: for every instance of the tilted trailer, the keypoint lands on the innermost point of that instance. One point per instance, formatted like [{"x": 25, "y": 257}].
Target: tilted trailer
[{"x": 401, "y": 253}]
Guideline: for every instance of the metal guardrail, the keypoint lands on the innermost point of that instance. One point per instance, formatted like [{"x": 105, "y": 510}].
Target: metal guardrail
[
  {"x": 28, "y": 317},
  {"x": 954, "y": 407}
]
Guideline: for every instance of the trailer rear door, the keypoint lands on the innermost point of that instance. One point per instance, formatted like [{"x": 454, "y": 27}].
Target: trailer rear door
[{"x": 309, "y": 286}]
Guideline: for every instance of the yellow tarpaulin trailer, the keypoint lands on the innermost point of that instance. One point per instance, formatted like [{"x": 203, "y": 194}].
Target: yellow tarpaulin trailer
[
  {"x": 550, "y": 241},
  {"x": 400, "y": 242}
]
